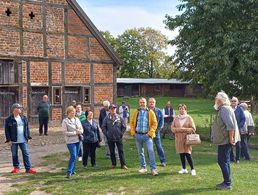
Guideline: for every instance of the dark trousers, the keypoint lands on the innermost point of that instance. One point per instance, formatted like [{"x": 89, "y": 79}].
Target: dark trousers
[
  {"x": 224, "y": 162},
  {"x": 238, "y": 150},
  {"x": 89, "y": 149},
  {"x": 43, "y": 121},
  {"x": 244, "y": 147},
  {"x": 187, "y": 156},
  {"x": 119, "y": 145}
]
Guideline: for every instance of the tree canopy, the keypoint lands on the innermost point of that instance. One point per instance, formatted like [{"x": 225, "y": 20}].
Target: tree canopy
[{"x": 217, "y": 44}]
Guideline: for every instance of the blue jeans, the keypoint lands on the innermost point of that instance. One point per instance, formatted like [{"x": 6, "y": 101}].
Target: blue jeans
[
  {"x": 141, "y": 139},
  {"x": 73, "y": 150},
  {"x": 224, "y": 162},
  {"x": 25, "y": 154},
  {"x": 159, "y": 147}
]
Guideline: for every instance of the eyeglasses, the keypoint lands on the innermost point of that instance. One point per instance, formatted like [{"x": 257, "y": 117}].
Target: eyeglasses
[{"x": 233, "y": 101}]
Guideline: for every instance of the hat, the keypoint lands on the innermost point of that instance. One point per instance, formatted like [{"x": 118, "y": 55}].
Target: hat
[
  {"x": 112, "y": 106},
  {"x": 16, "y": 105}
]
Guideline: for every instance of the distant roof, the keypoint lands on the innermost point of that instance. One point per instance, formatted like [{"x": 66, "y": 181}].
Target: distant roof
[{"x": 150, "y": 81}]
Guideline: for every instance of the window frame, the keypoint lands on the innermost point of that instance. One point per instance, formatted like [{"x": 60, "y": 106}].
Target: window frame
[{"x": 53, "y": 95}]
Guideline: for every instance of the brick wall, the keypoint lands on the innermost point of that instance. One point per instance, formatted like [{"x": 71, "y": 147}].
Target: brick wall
[
  {"x": 63, "y": 2},
  {"x": 56, "y": 114},
  {"x": 77, "y": 73},
  {"x": 56, "y": 73},
  {"x": 55, "y": 46},
  {"x": 103, "y": 73},
  {"x": 97, "y": 53},
  {"x": 55, "y": 19},
  {"x": 103, "y": 93},
  {"x": 25, "y": 100},
  {"x": 32, "y": 44},
  {"x": 35, "y": 23},
  {"x": 77, "y": 47},
  {"x": 24, "y": 72},
  {"x": 13, "y": 19},
  {"x": 39, "y": 73},
  {"x": 9, "y": 42}
]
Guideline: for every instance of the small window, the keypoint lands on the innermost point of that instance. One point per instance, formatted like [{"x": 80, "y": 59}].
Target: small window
[
  {"x": 86, "y": 95},
  {"x": 57, "y": 95}
]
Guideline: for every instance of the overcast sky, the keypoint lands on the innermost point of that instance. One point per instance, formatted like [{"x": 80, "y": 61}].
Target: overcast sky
[{"x": 117, "y": 16}]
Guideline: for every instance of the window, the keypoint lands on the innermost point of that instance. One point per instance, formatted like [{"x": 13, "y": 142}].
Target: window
[
  {"x": 57, "y": 95},
  {"x": 86, "y": 95},
  {"x": 8, "y": 72}
]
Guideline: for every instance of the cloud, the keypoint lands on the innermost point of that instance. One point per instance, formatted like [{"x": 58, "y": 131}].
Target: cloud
[{"x": 117, "y": 19}]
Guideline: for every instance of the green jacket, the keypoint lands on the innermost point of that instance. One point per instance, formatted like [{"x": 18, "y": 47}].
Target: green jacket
[{"x": 43, "y": 109}]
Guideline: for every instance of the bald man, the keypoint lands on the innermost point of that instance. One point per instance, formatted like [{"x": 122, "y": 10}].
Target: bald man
[{"x": 43, "y": 111}]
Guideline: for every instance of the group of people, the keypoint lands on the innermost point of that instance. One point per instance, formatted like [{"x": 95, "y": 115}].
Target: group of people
[{"x": 232, "y": 126}]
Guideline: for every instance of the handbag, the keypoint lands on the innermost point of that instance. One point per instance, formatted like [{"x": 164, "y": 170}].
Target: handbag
[{"x": 193, "y": 139}]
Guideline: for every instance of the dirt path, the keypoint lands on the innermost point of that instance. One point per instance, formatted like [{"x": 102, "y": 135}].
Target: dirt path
[{"x": 39, "y": 146}]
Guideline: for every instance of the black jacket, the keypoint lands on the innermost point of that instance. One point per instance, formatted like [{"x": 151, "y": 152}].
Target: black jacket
[
  {"x": 11, "y": 128},
  {"x": 102, "y": 116},
  {"x": 90, "y": 132},
  {"x": 114, "y": 128}
]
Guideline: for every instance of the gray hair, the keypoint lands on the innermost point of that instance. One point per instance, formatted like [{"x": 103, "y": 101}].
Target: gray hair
[
  {"x": 244, "y": 106},
  {"x": 223, "y": 97},
  {"x": 106, "y": 103}
]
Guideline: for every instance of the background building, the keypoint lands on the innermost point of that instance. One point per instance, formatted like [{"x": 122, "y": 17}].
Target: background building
[{"x": 51, "y": 47}]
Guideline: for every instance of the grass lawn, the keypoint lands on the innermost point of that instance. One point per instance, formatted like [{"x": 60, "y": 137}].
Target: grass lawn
[{"x": 104, "y": 180}]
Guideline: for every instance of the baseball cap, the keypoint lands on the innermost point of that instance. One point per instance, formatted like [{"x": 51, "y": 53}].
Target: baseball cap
[
  {"x": 112, "y": 106},
  {"x": 16, "y": 105}
]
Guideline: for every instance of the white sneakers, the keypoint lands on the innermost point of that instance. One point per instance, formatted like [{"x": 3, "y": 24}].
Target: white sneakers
[
  {"x": 142, "y": 170},
  {"x": 184, "y": 171},
  {"x": 80, "y": 158},
  {"x": 154, "y": 172}
]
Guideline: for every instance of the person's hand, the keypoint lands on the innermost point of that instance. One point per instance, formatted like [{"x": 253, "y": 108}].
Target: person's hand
[
  {"x": 10, "y": 143},
  {"x": 78, "y": 132},
  {"x": 232, "y": 141}
]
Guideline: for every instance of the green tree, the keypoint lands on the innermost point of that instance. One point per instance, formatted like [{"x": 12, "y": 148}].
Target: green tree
[{"x": 217, "y": 44}]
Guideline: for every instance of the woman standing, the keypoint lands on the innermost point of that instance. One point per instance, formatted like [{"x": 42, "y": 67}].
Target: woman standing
[
  {"x": 182, "y": 125},
  {"x": 91, "y": 139},
  {"x": 73, "y": 129}
]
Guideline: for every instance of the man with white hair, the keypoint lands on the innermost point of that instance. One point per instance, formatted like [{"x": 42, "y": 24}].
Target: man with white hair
[
  {"x": 240, "y": 117},
  {"x": 224, "y": 133}
]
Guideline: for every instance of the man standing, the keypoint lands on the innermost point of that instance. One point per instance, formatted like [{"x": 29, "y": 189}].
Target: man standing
[
  {"x": 169, "y": 114},
  {"x": 124, "y": 112},
  {"x": 156, "y": 139},
  {"x": 143, "y": 129},
  {"x": 43, "y": 110},
  {"x": 17, "y": 133},
  {"x": 240, "y": 117},
  {"x": 224, "y": 134},
  {"x": 114, "y": 128}
]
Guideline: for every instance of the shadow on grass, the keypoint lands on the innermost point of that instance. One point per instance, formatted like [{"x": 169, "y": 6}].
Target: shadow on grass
[{"x": 186, "y": 191}]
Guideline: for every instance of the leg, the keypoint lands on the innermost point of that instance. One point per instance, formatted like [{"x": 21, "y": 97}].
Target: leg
[
  {"x": 149, "y": 144},
  {"x": 106, "y": 146},
  {"x": 93, "y": 154},
  {"x": 232, "y": 156},
  {"x": 159, "y": 148},
  {"x": 224, "y": 162},
  {"x": 46, "y": 125},
  {"x": 120, "y": 149},
  {"x": 140, "y": 148},
  {"x": 112, "y": 152},
  {"x": 80, "y": 150},
  {"x": 182, "y": 158},
  {"x": 25, "y": 155},
  {"x": 86, "y": 150},
  {"x": 244, "y": 147},
  {"x": 190, "y": 160},
  {"x": 15, "y": 158},
  {"x": 40, "y": 125},
  {"x": 238, "y": 149},
  {"x": 73, "y": 156}
]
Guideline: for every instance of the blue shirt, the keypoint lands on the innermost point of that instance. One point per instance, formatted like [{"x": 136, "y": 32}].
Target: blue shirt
[
  {"x": 20, "y": 130},
  {"x": 142, "y": 121},
  {"x": 160, "y": 118}
]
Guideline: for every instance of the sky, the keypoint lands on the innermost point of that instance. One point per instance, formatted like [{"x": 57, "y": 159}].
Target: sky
[{"x": 116, "y": 16}]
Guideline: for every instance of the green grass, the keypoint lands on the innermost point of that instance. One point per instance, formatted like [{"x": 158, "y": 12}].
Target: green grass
[{"x": 104, "y": 180}]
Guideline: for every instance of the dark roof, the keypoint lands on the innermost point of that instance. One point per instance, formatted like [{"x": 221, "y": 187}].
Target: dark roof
[
  {"x": 150, "y": 81},
  {"x": 86, "y": 20}
]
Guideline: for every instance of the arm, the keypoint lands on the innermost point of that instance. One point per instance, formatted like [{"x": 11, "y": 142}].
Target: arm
[
  {"x": 100, "y": 118},
  {"x": 27, "y": 127},
  {"x": 231, "y": 137},
  {"x": 161, "y": 120},
  {"x": 163, "y": 112},
  {"x": 7, "y": 132},
  {"x": 104, "y": 127},
  {"x": 123, "y": 125},
  {"x": 133, "y": 123},
  {"x": 242, "y": 118},
  {"x": 79, "y": 125},
  {"x": 153, "y": 124},
  {"x": 98, "y": 133}
]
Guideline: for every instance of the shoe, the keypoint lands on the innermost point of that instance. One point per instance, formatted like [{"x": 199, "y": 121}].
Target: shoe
[
  {"x": 80, "y": 158},
  {"x": 154, "y": 172},
  {"x": 85, "y": 166},
  {"x": 45, "y": 134},
  {"x": 73, "y": 173},
  {"x": 237, "y": 162},
  {"x": 163, "y": 164},
  {"x": 40, "y": 134},
  {"x": 113, "y": 166},
  {"x": 15, "y": 170},
  {"x": 124, "y": 167},
  {"x": 183, "y": 171},
  {"x": 31, "y": 171},
  {"x": 68, "y": 176},
  {"x": 193, "y": 172},
  {"x": 142, "y": 170},
  {"x": 223, "y": 186}
]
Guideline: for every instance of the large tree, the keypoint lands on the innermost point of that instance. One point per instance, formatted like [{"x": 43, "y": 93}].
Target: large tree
[{"x": 217, "y": 44}]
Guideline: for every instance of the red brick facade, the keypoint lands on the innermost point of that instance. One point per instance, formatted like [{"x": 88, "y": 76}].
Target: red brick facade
[{"x": 58, "y": 51}]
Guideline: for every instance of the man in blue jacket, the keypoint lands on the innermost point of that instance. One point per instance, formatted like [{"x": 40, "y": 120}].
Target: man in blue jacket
[
  {"x": 240, "y": 117},
  {"x": 157, "y": 140},
  {"x": 17, "y": 133}
]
